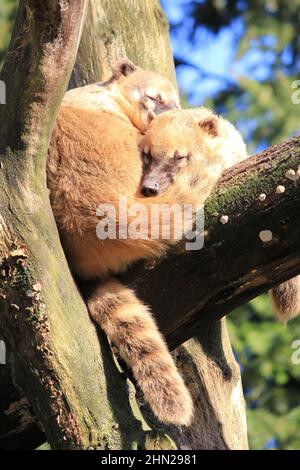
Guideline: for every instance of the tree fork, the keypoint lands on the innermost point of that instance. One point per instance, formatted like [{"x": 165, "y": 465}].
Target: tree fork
[{"x": 150, "y": 49}]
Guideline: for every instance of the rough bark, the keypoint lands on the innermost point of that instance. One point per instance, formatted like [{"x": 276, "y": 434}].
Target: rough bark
[
  {"x": 114, "y": 29},
  {"x": 106, "y": 37},
  {"x": 19, "y": 427}
]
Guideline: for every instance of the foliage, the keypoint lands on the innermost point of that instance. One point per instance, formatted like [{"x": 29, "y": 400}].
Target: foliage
[{"x": 271, "y": 380}]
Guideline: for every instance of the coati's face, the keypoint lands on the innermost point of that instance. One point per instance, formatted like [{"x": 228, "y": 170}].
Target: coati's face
[
  {"x": 185, "y": 146},
  {"x": 144, "y": 94}
]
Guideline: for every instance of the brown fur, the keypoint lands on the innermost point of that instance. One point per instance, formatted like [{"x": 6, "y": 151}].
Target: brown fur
[
  {"x": 129, "y": 325},
  {"x": 93, "y": 158},
  {"x": 131, "y": 94}
]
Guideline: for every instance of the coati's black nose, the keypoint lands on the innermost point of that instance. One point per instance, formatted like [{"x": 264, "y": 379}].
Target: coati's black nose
[{"x": 150, "y": 189}]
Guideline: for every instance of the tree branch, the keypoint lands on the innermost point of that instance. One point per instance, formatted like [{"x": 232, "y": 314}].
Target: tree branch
[{"x": 233, "y": 267}]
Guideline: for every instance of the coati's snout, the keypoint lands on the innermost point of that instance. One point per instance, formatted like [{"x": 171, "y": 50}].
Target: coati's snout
[
  {"x": 156, "y": 179},
  {"x": 160, "y": 173}
]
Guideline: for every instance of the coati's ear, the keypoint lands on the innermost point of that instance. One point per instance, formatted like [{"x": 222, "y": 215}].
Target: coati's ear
[
  {"x": 123, "y": 67},
  {"x": 210, "y": 125}
]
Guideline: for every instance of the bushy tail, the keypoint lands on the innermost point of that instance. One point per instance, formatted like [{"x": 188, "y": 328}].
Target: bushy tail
[
  {"x": 130, "y": 326},
  {"x": 286, "y": 299}
]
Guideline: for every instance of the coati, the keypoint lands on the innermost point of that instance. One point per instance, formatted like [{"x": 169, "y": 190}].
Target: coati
[
  {"x": 94, "y": 157},
  {"x": 285, "y": 298}
]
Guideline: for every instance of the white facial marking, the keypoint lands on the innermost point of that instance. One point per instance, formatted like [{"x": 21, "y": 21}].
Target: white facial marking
[{"x": 152, "y": 92}]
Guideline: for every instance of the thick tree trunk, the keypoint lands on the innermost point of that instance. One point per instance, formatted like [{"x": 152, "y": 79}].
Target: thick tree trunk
[
  {"x": 19, "y": 427},
  {"x": 219, "y": 422},
  {"x": 137, "y": 29},
  {"x": 236, "y": 263}
]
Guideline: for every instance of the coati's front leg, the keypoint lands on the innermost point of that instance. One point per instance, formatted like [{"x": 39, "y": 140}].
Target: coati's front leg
[{"x": 129, "y": 324}]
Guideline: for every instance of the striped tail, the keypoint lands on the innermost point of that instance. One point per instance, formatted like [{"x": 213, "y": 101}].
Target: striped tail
[{"x": 130, "y": 326}]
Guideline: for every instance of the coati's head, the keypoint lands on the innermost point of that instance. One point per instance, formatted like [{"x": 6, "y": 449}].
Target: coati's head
[
  {"x": 141, "y": 94},
  {"x": 190, "y": 147}
]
